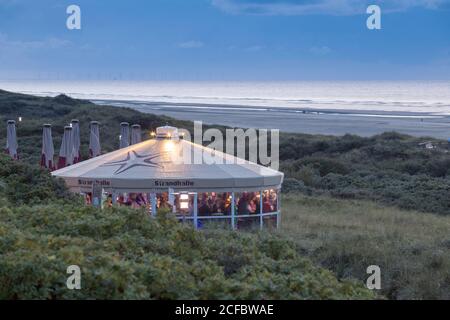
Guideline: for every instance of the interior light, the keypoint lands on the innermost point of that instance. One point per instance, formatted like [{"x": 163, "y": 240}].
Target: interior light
[{"x": 184, "y": 196}]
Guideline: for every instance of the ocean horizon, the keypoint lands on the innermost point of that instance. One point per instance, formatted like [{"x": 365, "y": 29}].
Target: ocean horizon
[{"x": 429, "y": 97}]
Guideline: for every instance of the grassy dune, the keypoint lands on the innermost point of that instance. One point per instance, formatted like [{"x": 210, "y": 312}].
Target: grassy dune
[{"x": 411, "y": 248}]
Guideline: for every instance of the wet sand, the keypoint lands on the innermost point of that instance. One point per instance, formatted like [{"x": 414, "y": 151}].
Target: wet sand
[{"x": 311, "y": 121}]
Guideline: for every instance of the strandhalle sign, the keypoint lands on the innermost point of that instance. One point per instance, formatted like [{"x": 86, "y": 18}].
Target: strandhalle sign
[
  {"x": 103, "y": 183},
  {"x": 177, "y": 183}
]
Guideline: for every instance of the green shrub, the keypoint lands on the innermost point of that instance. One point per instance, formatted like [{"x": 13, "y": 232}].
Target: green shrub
[
  {"x": 346, "y": 236},
  {"x": 294, "y": 185},
  {"x": 22, "y": 183},
  {"x": 123, "y": 254},
  {"x": 323, "y": 165}
]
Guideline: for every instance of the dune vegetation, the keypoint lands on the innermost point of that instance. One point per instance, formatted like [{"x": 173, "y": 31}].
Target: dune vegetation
[
  {"x": 124, "y": 254},
  {"x": 346, "y": 236},
  {"x": 349, "y": 202}
]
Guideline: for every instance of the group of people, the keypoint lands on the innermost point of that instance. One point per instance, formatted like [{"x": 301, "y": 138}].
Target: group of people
[
  {"x": 246, "y": 203},
  {"x": 210, "y": 203},
  {"x": 133, "y": 200},
  {"x": 214, "y": 204},
  {"x": 250, "y": 202}
]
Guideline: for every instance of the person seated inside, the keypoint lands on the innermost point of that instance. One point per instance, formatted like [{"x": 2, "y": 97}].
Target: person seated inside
[
  {"x": 274, "y": 200},
  {"x": 204, "y": 209},
  {"x": 254, "y": 203},
  {"x": 140, "y": 200},
  {"x": 227, "y": 204},
  {"x": 164, "y": 203},
  {"x": 244, "y": 204},
  {"x": 191, "y": 206},
  {"x": 219, "y": 206},
  {"x": 133, "y": 201},
  {"x": 121, "y": 200},
  {"x": 88, "y": 199},
  {"x": 108, "y": 202},
  {"x": 267, "y": 205}
]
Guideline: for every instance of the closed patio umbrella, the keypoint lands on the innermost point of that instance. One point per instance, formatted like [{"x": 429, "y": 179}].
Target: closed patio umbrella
[
  {"x": 136, "y": 135},
  {"x": 66, "y": 151},
  {"x": 48, "y": 151},
  {"x": 76, "y": 140},
  {"x": 11, "y": 139},
  {"x": 124, "y": 135},
  {"x": 94, "y": 140}
]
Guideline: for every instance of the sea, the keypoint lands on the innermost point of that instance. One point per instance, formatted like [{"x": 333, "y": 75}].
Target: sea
[{"x": 423, "y": 97}]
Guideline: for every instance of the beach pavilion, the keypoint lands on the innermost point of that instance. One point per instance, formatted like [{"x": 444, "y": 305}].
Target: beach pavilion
[{"x": 164, "y": 172}]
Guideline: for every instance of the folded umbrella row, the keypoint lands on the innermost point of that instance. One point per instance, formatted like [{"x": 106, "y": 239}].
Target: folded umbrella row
[
  {"x": 69, "y": 152},
  {"x": 125, "y": 138}
]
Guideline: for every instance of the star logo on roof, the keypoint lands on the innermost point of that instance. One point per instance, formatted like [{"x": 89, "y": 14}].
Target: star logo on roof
[{"x": 132, "y": 160}]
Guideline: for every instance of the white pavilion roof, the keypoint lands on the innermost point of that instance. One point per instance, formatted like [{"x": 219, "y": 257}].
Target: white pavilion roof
[{"x": 156, "y": 165}]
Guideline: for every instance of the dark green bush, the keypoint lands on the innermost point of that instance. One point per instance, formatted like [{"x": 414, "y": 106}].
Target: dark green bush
[
  {"x": 123, "y": 254},
  {"x": 390, "y": 168},
  {"x": 294, "y": 185},
  {"x": 323, "y": 165},
  {"x": 22, "y": 183}
]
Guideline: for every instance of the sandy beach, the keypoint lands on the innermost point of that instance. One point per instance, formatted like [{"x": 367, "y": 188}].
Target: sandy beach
[
  {"x": 417, "y": 108},
  {"x": 311, "y": 121}
]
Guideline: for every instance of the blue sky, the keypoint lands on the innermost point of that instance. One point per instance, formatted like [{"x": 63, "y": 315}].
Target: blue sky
[{"x": 225, "y": 40}]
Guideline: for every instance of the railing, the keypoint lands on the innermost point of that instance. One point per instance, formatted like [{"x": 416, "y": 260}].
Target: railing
[
  {"x": 232, "y": 218},
  {"x": 236, "y": 220}
]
